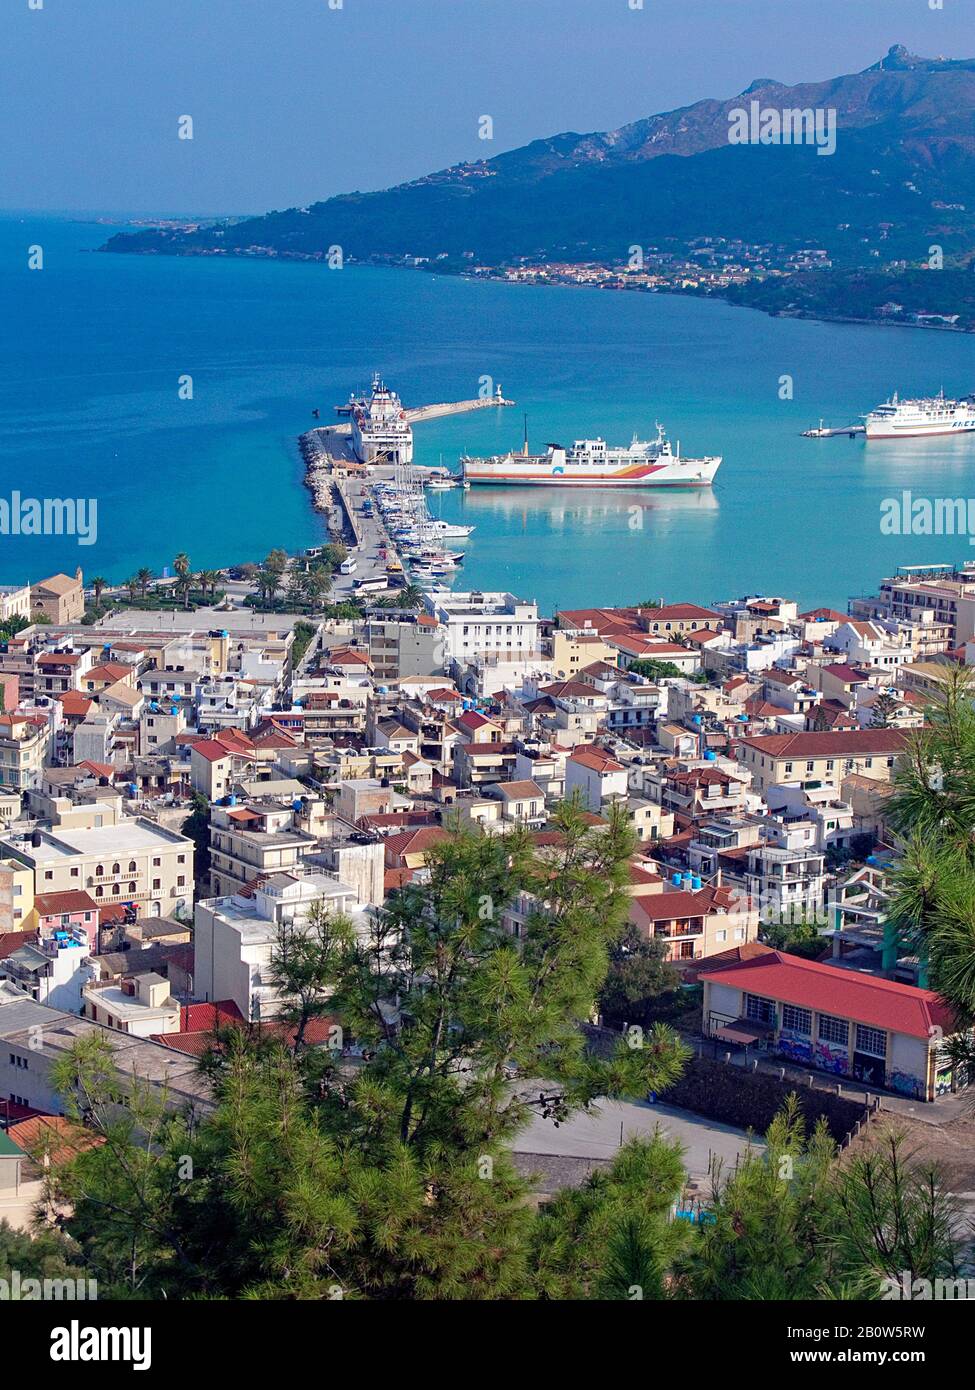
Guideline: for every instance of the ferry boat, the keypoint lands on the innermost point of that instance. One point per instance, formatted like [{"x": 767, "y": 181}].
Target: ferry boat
[
  {"x": 929, "y": 415},
  {"x": 381, "y": 432},
  {"x": 594, "y": 463}
]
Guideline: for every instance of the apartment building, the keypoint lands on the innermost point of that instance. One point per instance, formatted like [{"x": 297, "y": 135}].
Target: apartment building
[
  {"x": 236, "y": 935},
  {"x": 821, "y": 759},
  {"x": 479, "y": 624},
  {"x": 135, "y": 861},
  {"x": 24, "y": 744}
]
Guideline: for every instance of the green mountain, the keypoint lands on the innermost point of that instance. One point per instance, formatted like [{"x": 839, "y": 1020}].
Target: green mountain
[{"x": 902, "y": 177}]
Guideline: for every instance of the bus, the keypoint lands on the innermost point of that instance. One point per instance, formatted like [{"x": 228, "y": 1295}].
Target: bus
[{"x": 377, "y": 585}]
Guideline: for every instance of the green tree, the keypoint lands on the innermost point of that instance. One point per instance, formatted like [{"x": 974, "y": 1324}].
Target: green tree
[
  {"x": 390, "y": 1178},
  {"x": 654, "y": 670},
  {"x": 181, "y": 566},
  {"x": 640, "y": 979},
  {"x": 98, "y": 587},
  {"x": 145, "y": 577},
  {"x": 884, "y": 709},
  {"x": 613, "y": 1237}
]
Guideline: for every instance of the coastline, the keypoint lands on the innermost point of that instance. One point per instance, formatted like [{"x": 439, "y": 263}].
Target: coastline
[{"x": 317, "y": 258}]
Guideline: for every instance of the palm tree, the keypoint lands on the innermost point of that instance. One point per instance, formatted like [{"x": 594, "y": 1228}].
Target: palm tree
[
  {"x": 411, "y": 597},
  {"x": 268, "y": 583},
  {"x": 98, "y": 585},
  {"x": 181, "y": 565},
  {"x": 145, "y": 578},
  {"x": 209, "y": 580},
  {"x": 132, "y": 584}
]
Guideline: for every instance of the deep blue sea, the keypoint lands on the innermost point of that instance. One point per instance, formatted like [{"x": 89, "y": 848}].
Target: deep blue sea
[{"x": 93, "y": 347}]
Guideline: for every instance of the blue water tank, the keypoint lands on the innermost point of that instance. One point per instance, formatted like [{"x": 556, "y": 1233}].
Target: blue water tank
[
  {"x": 133, "y": 789},
  {"x": 675, "y": 880},
  {"x": 696, "y": 718},
  {"x": 231, "y": 801},
  {"x": 296, "y": 804},
  {"x": 710, "y": 756},
  {"x": 696, "y": 882}
]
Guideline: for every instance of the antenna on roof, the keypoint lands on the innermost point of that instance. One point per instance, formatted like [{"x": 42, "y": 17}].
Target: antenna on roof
[{"x": 525, "y": 448}]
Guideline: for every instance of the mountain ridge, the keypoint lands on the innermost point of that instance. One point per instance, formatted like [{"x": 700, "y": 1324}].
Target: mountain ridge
[{"x": 905, "y": 157}]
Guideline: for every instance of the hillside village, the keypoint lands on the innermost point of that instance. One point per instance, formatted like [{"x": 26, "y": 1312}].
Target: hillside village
[{"x": 172, "y": 800}]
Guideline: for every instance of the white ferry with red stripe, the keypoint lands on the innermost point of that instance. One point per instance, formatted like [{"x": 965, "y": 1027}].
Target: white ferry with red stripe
[{"x": 594, "y": 463}]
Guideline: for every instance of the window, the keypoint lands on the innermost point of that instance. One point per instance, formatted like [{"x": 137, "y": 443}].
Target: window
[
  {"x": 833, "y": 1030},
  {"x": 155, "y": 863},
  {"x": 797, "y": 1020},
  {"x": 873, "y": 1041},
  {"x": 48, "y": 873},
  {"x": 759, "y": 1010},
  {"x": 180, "y": 882},
  {"x": 131, "y": 866},
  {"x": 74, "y": 873},
  {"x": 155, "y": 883}
]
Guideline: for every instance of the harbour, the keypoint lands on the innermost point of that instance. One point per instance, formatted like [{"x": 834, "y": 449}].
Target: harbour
[{"x": 579, "y": 363}]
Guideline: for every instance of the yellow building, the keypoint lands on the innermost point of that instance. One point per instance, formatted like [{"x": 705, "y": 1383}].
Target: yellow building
[{"x": 16, "y": 896}]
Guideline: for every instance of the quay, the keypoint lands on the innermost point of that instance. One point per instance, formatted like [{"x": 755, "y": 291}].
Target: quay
[{"x": 825, "y": 432}]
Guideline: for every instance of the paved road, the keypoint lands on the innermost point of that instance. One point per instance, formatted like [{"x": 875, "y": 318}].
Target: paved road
[{"x": 598, "y": 1135}]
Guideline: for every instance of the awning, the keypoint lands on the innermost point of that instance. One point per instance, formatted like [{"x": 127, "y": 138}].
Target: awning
[{"x": 743, "y": 1031}]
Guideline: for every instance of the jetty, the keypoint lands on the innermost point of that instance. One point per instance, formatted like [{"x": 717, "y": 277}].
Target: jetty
[
  {"x": 327, "y": 449},
  {"x": 828, "y": 432}
]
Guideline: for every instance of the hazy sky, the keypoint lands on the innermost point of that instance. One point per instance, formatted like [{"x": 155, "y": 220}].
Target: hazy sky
[{"x": 293, "y": 100}]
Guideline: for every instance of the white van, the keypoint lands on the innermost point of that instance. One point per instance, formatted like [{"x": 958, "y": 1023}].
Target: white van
[{"x": 348, "y": 566}]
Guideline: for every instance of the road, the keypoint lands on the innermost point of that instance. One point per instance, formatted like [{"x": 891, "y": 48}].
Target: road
[{"x": 598, "y": 1135}]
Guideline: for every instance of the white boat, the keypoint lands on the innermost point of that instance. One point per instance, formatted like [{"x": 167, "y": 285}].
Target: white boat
[
  {"x": 381, "y": 433},
  {"x": 921, "y": 417},
  {"x": 594, "y": 463}
]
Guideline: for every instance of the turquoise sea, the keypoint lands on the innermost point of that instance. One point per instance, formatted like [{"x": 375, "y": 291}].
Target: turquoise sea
[{"x": 93, "y": 347}]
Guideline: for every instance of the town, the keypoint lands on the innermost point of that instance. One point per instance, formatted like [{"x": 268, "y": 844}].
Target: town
[{"x": 184, "y": 789}]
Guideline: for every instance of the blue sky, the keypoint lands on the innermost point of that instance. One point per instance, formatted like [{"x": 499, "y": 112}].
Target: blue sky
[{"x": 294, "y": 101}]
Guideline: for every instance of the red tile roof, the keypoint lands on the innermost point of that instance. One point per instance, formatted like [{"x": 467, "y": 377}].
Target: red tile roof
[
  {"x": 414, "y": 841},
  {"x": 204, "y": 1018},
  {"x": 212, "y": 751},
  {"x": 829, "y": 989},
  {"x": 678, "y": 902},
  {"x": 588, "y": 755},
  {"x": 841, "y": 743},
  {"x": 11, "y": 941},
  {"x": 75, "y": 704},
  {"x": 72, "y": 900}
]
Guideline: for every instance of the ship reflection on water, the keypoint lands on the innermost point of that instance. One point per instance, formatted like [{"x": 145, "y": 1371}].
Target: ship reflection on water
[{"x": 638, "y": 508}]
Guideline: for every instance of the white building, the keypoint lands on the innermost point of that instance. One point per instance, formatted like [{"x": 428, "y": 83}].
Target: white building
[
  {"x": 497, "y": 626},
  {"x": 235, "y": 937},
  {"x": 596, "y": 776},
  {"x": 140, "y": 1006}
]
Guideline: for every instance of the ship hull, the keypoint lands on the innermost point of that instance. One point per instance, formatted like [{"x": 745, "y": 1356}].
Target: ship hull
[
  {"x": 690, "y": 476},
  {"x": 920, "y": 431}
]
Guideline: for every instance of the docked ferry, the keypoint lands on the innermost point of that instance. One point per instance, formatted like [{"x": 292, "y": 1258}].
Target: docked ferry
[
  {"x": 594, "y": 463},
  {"x": 930, "y": 415},
  {"x": 381, "y": 432}
]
